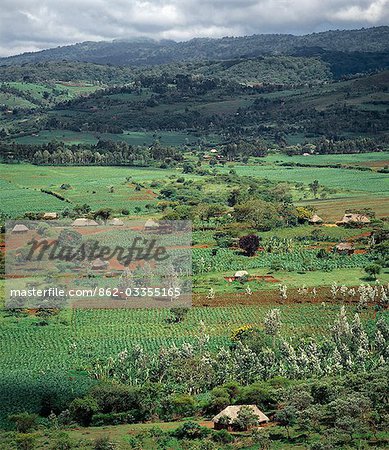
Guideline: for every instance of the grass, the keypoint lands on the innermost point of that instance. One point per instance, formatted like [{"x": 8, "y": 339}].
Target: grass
[
  {"x": 342, "y": 179},
  {"x": 333, "y": 209},
  {"x": 131, "y": 137},
  {"x": 21, "y": 184},
  {"x": 348, "y": 277},
  {"x": 16, "y": 199},
  {"x": 348, "y": 159}
]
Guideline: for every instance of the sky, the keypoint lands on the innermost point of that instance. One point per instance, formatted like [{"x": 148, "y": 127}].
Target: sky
[{"x": 30, "y": 25}]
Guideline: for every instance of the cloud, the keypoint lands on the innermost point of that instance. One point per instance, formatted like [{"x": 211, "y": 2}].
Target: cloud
[{"x": 29, "y": 25}]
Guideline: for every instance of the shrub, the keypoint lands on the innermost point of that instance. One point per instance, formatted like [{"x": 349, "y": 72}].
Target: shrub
[
  {"x": 373, "y": 270},
  {"x": 103, "y": 443},
  {"x": 62, "y": 442},
  {"x": 24, "y": 422},
  {"x": 116, "y": 398},
  {"x": 222, "y": 436},
  {"x": 99, "y": 420},
  {"x": 82, "y": 410},
  {"x": 183, "y": 405},
  {"x": 25, "y": 441},
  {"x": 190, "y": 430}
]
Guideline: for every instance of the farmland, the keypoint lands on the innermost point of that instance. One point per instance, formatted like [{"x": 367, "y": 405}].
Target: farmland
[
  {"x": 263, "y": 156},
  {"x": 92, "y": 184},
  {"x": 41, "y": 355}
]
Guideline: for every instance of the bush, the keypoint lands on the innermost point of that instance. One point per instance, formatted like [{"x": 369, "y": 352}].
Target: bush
[
  {"x": 116, "y": 398},
  {"x": 373, "y": 270},
  {"x": 190, "y": 430},
  {"x": 103, "y": 443},
  {"x": 25, "y": 441},
  {"x": 222, "y": 436},
  {"x": 62, "y": 442},
  {"x": 82, "y": 410},
  {"x": 99, "y": 420},
  {"x": 183, "y": 405},
  {"x": 24, "y": 422}
]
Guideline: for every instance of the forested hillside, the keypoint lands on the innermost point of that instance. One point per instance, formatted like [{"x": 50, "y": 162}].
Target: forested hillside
[{"x": 149, "y": 52}]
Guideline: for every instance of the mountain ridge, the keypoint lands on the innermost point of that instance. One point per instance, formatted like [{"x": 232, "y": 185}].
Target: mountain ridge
[{"x": 148, "y": 52}]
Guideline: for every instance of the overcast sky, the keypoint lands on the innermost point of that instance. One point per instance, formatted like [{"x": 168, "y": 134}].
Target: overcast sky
[{"x": 29, "y": 25}]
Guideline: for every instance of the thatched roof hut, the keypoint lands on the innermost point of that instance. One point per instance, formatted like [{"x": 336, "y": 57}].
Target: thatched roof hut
[
  {"x": 151, "y": 225},
  {"x": 116, "y": 222},
  {"x": 50, "y": 215},
  {"x": 19, "y": 228},
  {"x": 353, "y": 219},
  {"x": 82, "y": 222},
  {"x": 315, "y": 220},
  {"x": 241, "y": 274},
  {"x": 99, "y": 264},
  {"x": 230, "y": 414},
  {"x": 345, "y": 247}
]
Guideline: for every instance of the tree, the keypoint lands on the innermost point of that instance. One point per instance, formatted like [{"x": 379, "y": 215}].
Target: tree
[
  {"x": 287, "y": 417},
  {"x": 246, "y": 418},
  {"x": 314, "y": 187},
  {"x": 272, "y": 323},
  {"x": 103, "y": 214},
  {"x": 262, "y": 440},
  {"x": 249, "y": 244},
  {"x": 349, "y": 413},
  {"x": 373, "y": 270},
  {"x": 259, "y": 214},
  {"x": 82, "y": 209},
  {"x": 183, "y": 405}
]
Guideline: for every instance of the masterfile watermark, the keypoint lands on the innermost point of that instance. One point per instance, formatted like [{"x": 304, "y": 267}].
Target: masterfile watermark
[
  {"x": 139, "y": 249},
  {"x": 57, "y": 264}
]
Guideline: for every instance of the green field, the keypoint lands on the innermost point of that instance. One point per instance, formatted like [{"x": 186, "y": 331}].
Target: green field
[
  {"x": 22, "y": 183},
  {"x": 31, "y": 95},
  {"x": 52, "y": 358},
  {"x": 131, "y": 137},
  {"x": 341, "y": 179},
  {"x": 375, "y": 159}
]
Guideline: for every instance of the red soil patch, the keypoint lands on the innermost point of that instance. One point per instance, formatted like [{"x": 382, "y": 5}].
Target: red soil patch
[
  {"x": 359, "y": 236},
  {"x": 267, "y": 278}
]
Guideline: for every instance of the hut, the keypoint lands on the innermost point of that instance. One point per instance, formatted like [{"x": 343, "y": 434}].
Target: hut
[
  {"x": 353, "y": 219},
  {"x": 241, "y": 274},
  {"x": 226, "y": 418},
  {"x": 151, "y": 225},
  {"x": 82, "y": 222},
  {"x": 50, "y": 215},
  {"x": 99, "y": 264},
  {"x": 315, "y": 220},
  {"x": 345, "y": 248},
  {"x": 116, "y": 222},
  {"x": 213, "y": 150},
  {"x": 19, "y": 228}
]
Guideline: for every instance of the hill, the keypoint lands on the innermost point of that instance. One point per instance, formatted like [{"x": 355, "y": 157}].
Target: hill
[{"x": 150, "y": 52}]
